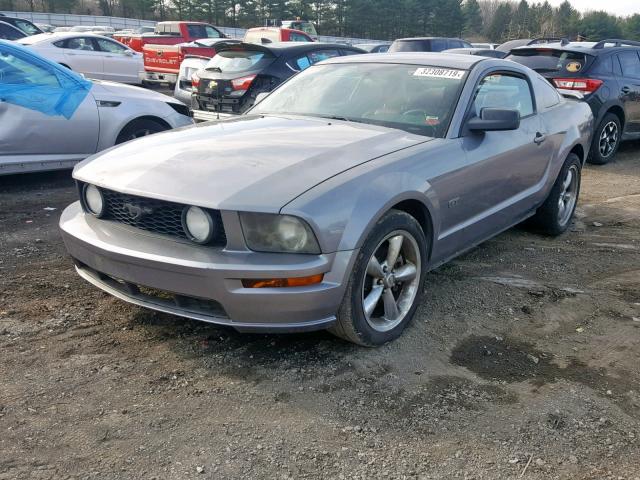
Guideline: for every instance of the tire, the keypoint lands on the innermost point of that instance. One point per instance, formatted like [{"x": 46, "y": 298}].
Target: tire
[
  {"x": 603, "y": 146},
  {"x": 371, "y": 329},
  {"x": 140, "y": 128},
  {"x": 553, "y": 218}
]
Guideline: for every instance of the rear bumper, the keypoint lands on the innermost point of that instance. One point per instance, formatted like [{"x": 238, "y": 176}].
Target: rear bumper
[
  {"x": 159, "y": 77},
  {"x": 204, "y": 283},
  {"x": 205, "y": 116}
]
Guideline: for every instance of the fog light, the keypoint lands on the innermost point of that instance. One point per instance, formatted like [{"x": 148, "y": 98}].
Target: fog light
[
  {"x": 197, "y": 224},
  {"x": 93, "y": 200},
  {"x": 283, "y": 282}
]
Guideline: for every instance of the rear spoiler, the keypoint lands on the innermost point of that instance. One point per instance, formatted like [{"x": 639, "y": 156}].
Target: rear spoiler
[
  {"x": 542, "y": 40},
  {"x": 222, "y": 46}
]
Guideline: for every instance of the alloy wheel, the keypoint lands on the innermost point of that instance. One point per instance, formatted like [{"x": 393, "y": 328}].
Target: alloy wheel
[
  {"x": 608, "y": 139},
  {"x": 568, "y": 195},
  {"x": 391, "y": 282}
]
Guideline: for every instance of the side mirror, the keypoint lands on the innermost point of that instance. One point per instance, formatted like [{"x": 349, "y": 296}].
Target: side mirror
[
  {"x": 259, "y": 97},
  {"x": 495, "y": 119}
]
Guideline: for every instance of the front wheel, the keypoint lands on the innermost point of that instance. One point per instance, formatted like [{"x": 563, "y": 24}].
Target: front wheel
[
  {"x": 139, "y": 128},
  {"x": 386, "y": 282},
  {"x": 554, "y": 216}
]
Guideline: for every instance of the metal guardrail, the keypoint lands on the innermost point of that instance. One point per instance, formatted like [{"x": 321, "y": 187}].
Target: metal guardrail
[{"x": 70, "y": 20}]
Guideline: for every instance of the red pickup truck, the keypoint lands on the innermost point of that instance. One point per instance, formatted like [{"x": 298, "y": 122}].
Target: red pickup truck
[
  {"x": 162, "y": 62},
  {"x": 170, "y": 33}
]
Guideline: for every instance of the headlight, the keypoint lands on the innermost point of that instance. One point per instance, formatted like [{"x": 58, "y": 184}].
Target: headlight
[
  {"x": 266, "y": 232},
  {"x": 197, "y": 224},
  {"x": 93, "y": 200}
]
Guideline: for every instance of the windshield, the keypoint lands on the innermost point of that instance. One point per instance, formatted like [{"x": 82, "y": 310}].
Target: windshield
[
  {"x": 27, "y": 27},
  {"x": 547, "y": 60},
  {"x": 417, "y": 99},
  {"x": 232, "y": 61}
]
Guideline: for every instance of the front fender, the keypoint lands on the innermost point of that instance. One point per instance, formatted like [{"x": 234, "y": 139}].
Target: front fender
[{"x": 344, "y": 209}]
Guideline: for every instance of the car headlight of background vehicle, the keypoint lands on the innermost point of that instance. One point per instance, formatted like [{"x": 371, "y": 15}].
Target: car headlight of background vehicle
[
  {"x": 266, "y": 232},
  {"x": 198, "y": 224},
  {"x": 93, "y": 200}
]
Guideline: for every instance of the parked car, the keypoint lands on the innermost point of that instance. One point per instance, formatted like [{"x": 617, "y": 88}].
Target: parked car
[
  {"x": 62, "y": 29},
  {"x": 196, "y": 56},
  {"x": 9, "y": 32},
  {"x": 484, "y": 46},
  {"x": 275, "y": 34},
  {"x": 521, "y": 42},
  {"x": 170, "y": 33},
  {"x": 51, "y": 117},
  {"x": 483, "y": 52},
  {"x": 231, "y": 81},
  {"x": 97, "y": 29},
  {"x": 606, "y": 75},
  {"x": 162, "y": 62},
  {"x": 26, "y": 26},
  {"x": 303, "y": 25},
  {"x": 427, "y": 44},
  {"x": 45, "y": 27},
  {"x": 92, "y": 55},
  {"x": 326, "y": 204},
  {"x": 374, "y": 47}
]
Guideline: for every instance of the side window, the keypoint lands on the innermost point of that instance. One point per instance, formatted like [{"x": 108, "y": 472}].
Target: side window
[
  {"x": 296, "y": 37},
  {"x": 456, "y": 44},
  {"x": 500, "y": 90},
  {"x": 109, "y": 46},
  {"x": 349, "y": 52},
  {"x": 604, "y": 66},
  {"x": 630, "y": 64},
  {"x": 320, "y": 55},
  {"x": 438, "y": 45},
  {"x": 80, "y": 43},
  {"x": 546, "y": 95},
  {"x": 382, "y": 49},
  {"x": 15, "y": 70},
  {"x": 9, "y": 33},
  {"x": 302, "y": 63}
]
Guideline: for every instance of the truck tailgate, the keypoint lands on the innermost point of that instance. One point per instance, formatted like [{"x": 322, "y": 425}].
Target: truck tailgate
[{"x": 162, "y": 58}]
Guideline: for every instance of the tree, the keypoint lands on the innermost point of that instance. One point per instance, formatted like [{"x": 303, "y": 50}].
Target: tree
[
  {"x": 631, "y": 27},
  {"x": 497, "y": 30},
  {"x": 599, "y": 25},
  {"x": 568, "y": 20},
  {"x": 472, "y": 18}
]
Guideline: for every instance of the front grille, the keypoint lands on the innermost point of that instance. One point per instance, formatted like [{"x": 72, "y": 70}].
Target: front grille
[{"x": 157, "y": 216}]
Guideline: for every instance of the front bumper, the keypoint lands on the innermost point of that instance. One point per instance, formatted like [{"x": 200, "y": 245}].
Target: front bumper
[{"x": 204, "y": 283}]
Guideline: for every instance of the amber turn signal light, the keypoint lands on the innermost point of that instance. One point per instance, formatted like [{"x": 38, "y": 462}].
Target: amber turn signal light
[{"x": 283, "y": 282}]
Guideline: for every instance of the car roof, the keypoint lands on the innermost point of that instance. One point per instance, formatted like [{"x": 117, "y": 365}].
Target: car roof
[
  {"x": 591, "y": 48},
  {"x": 445, "y": 60}
]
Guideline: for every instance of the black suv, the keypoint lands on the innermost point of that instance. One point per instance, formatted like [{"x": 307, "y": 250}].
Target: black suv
[
  {"x": 427, "y": 44},
  {"x": 606, "y": 75}
]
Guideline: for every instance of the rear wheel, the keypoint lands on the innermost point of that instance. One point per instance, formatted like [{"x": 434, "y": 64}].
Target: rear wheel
[
  {"x": 554, "y": 216},
  {"x": 606, "y": 140},
  {"x": 386, "y": 282},
  {"x": 140, "y": 128}
]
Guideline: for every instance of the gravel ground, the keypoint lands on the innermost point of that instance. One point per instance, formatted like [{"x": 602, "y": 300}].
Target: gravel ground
[{"x": 522, "y": 362}]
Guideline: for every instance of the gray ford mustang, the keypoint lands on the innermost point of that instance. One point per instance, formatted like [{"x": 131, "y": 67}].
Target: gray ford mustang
[{"x": 326, "y": 204}]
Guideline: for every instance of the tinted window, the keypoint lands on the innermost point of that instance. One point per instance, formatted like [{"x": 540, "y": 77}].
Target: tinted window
[
  {"x": 630, "y": 63},
  {"x": 456, "y": 44},
  {"x": 7, "y": 32},
  {"x": 504, "y": 91},
  {"x": 239, "y": 61},
  {"x": 381, "y": 49},
  {"x": 320, "y": 55},
  {"x": 547, "y": 60},
  {"x": 416, "y": 99},
  {"x": 349, "y": 52},
  {"x": 296, "y": 37},
  {"x": 111, "y": 47},
  {"x": 15, "y": 70},
  {"x": 409, "y": 46},
  {"x": 202, "y": 31},
  {"x": 603, "y": 65},
  {"x": 438, "y": 45},
  {"x": 81, "y": 43}
]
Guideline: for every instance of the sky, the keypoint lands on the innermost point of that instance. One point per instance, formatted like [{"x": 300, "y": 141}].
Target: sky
[{"x": 617, "y": 7}]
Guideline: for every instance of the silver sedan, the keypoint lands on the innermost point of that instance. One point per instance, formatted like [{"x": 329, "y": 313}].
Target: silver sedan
[{"x": 326, "y": 204}]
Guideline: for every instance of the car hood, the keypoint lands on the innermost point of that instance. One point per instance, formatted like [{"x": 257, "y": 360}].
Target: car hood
[
  {"x": 257, "y": 163},
  {"x": 104, "y": 90}
]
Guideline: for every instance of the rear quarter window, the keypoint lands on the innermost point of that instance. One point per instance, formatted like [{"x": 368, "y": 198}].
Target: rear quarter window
[
  {"x": 546, "y": 95},
  {"x": 603, "y": 65},
  {"x": 548, "y": 60}
]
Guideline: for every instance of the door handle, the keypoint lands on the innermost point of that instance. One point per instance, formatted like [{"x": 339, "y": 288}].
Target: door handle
[
  {"x": 626, "y": 89},
  {"x": 539, "y": 138}
]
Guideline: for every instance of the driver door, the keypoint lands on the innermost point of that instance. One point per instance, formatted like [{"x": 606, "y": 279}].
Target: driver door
[
  {"x": 45, "y": 117},
  {"x": 120, "y": 63}
]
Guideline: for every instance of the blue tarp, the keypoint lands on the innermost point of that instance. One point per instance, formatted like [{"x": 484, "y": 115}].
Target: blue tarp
[{"x": 33, "y": 82}]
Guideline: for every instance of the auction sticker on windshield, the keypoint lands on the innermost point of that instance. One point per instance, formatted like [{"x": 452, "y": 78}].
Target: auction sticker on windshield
[{"x": 439, "y": 73}]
